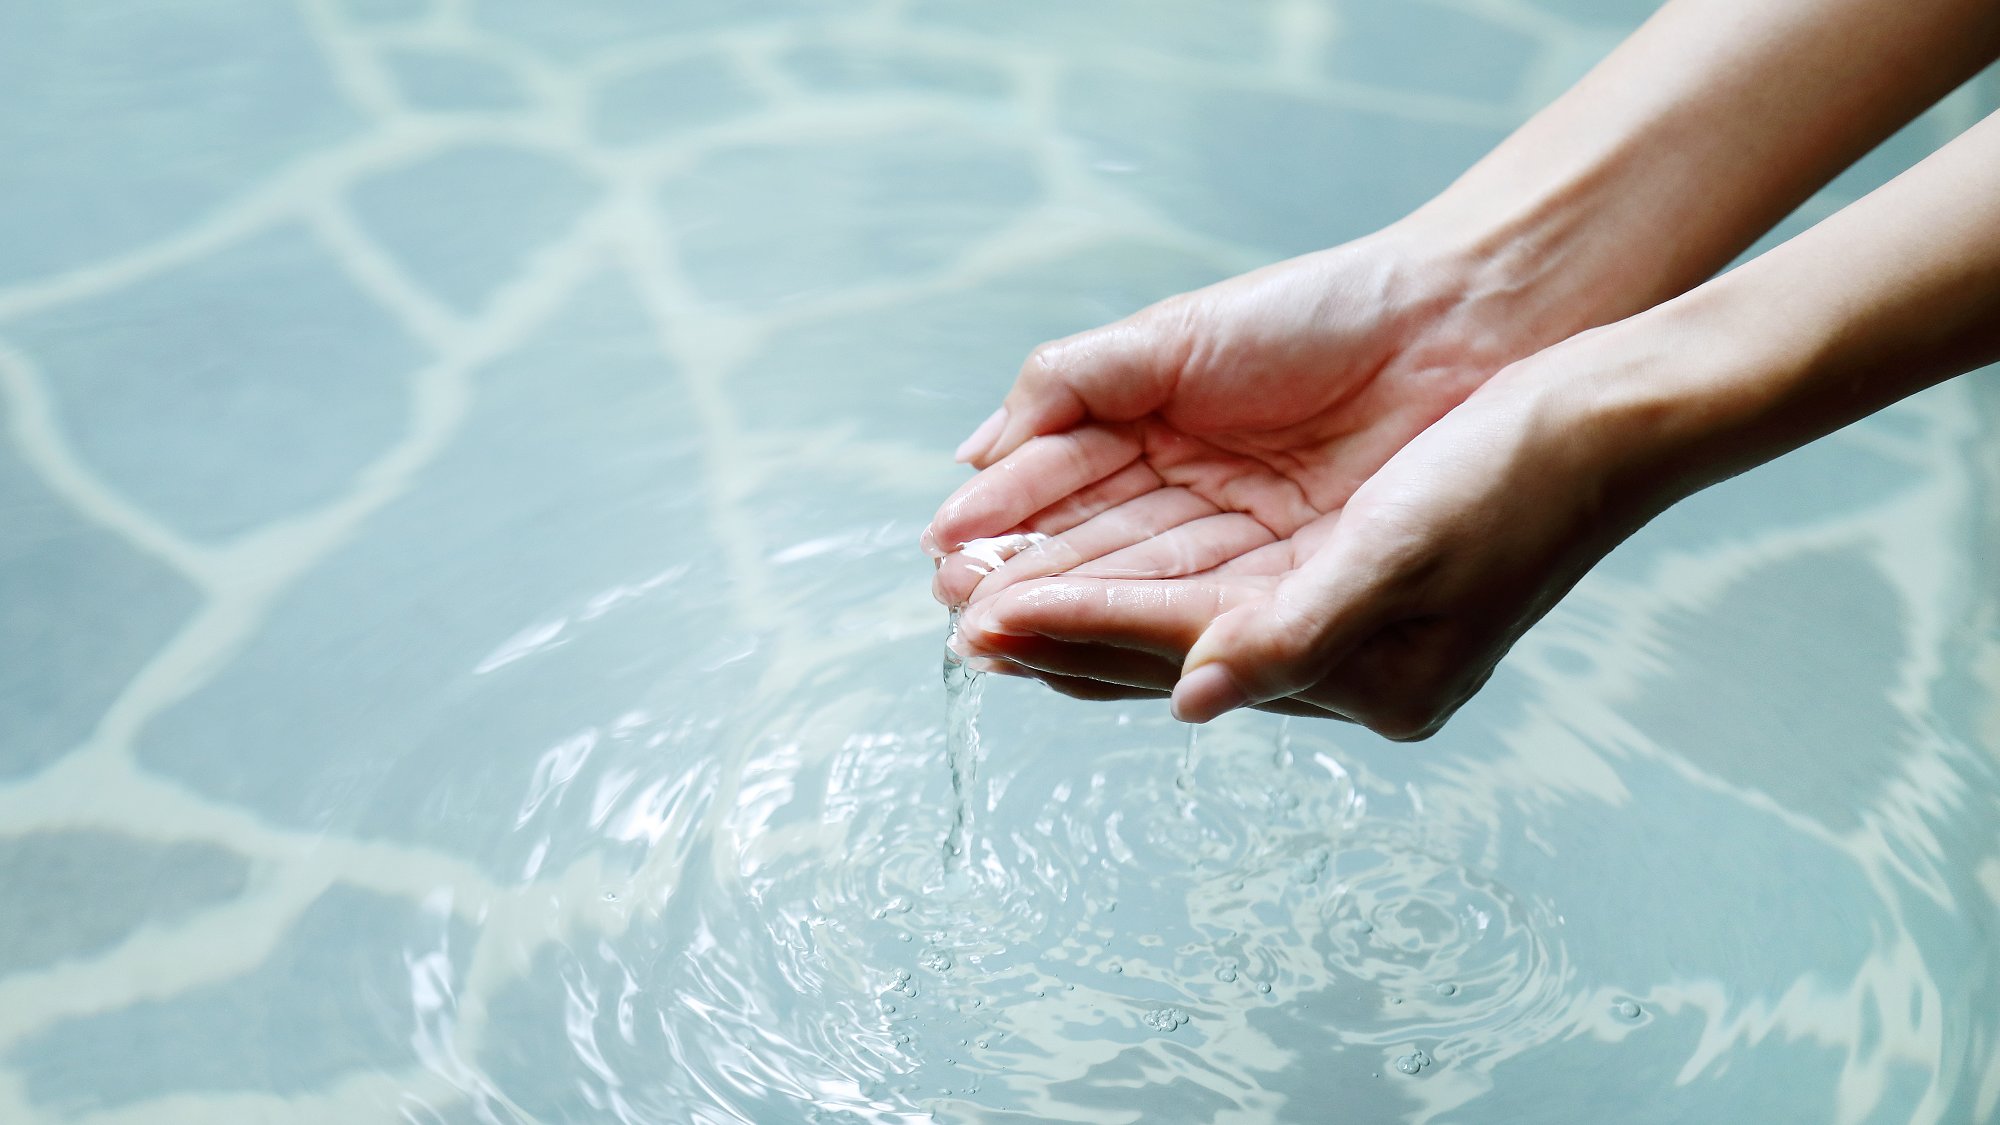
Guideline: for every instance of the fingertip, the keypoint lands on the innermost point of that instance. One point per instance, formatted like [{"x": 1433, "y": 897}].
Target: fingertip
[
  {"x": 972, "y": 448},
  {"x": 1207, "y": 693}
]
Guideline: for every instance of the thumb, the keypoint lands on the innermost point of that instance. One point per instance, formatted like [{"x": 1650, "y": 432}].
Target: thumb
[
  {"x": 1117, "y": 373},
  {"x": 1279, "y": 645}
]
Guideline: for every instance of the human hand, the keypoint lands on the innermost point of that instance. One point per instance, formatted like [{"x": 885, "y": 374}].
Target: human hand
[
  {"x": 1223, "y": 421},
  {"x": 1392, "y": 608}
]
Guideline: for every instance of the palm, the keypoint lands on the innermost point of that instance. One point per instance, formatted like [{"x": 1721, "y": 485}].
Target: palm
[{"x": 1223, "y": 429}]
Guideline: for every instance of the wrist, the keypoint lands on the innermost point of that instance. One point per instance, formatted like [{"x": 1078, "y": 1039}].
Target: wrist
[{"x": 1662, "y": 404}]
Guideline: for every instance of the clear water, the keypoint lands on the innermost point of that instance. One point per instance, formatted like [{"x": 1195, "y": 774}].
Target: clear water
[{"x": 464, "y": 657}]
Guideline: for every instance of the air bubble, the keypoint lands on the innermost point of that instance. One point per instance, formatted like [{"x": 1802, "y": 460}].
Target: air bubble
[
  {"x": 1447, "y": 989},
  {"x": 1414, "y": 1062},
  {"x": 1264, "y": 986},
  {"x": 937, "y": 960},
  {"x": 1165, "y": 1019},
  {"x": 1225, "y": 974},
  {"x": 1629, "y": 1009}
]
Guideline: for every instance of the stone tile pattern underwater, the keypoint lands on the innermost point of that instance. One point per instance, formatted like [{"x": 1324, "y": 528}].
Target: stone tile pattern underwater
[{"x": 298, "y": 338}]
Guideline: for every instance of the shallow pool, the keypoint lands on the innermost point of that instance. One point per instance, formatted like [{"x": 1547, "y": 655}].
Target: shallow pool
[{"x": 464, "y": 655}]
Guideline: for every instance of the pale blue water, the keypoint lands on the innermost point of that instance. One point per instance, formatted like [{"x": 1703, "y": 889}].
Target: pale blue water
[{"x": 464, "y": 655}]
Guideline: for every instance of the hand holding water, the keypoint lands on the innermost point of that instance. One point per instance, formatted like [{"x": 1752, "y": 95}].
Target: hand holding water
[{"x": 1314, "y": 488}]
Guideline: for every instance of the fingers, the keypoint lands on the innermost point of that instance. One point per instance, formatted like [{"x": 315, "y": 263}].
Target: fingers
[
  {"x": 1160, "y": 617},
  {"x": 1113, "y": 532},
  {"x": 1189, "y": 548},
  {"x": 1080, "y": 687},
  {"x": 1288, "y": 641},
  {"x": 1030, "y": 479},
  {"x": 1117, "y": 373}
]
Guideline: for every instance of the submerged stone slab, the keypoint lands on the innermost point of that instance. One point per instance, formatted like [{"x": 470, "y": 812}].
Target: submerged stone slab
[
  {"x": 549, "y": 575},
  {"x": 1428, "y": 48},
  {"x": 466, "y": 221},
  {"x": 1782, "y": 686},
  {"x": 756, "y": 224},
  {"x": 233, "y": 90},
  {"x": 77, "y": 894},
  {"x": 445, "y": 81},
  {"x": 846, "y": 69},
  {"x": 1193, "y": 29},
  {"x": 85, "y": 611},
  {"x": 578, "y": 29},
  {"x": 235, "y": 390},
  {"x": 1826, "y": 479},
  {"x": 1275, "y": 173},
  {"x": 334, "y": 998},
  {"x": 939, "y": 364},
  {"x": 655, "y": 102}
]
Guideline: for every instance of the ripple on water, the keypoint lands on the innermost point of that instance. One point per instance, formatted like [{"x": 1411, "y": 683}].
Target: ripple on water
[{"x": 824, "y": 949}]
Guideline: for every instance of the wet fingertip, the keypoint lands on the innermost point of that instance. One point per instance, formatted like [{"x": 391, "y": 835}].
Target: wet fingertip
[
  {"x": 1207, "y": 693},
  {"x": 972, "y": 448}
]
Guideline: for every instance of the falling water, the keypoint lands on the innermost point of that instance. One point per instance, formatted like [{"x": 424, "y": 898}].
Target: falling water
[{"x": 963, "y": 686}]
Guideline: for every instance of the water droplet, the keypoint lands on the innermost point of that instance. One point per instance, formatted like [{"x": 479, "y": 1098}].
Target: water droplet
[
  {"x": 1447, "y": 989},
  {"x": 1115, "y": 967},
  {"x": 1629, "y": 1009},
  {"x": 1225, "y": 974},
  {"x": 1111, "y": 906},
  {"x": 937, "y": 960},
  {"x": 611, "y": 896},
  {"x": 1413, "y": 1062},
  {"x": 982, "y": 1044},
  {"x": 902, "y": 937}
]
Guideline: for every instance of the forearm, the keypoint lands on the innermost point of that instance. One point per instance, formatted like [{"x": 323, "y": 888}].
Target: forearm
[
  {"x": 1895, "y": 293},
  {"x": 1693, "y": 138}
]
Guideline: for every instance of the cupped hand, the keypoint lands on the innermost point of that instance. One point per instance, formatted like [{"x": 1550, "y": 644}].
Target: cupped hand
[
  {"x": 1221, "y": 422},
  {"x": 1391, "y": 608}
]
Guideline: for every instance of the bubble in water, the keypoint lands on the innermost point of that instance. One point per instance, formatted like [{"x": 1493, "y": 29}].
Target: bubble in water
[
  {"x": 937, "y": 960},
  {"x": 1225, "y": 974},
  {"x": 1413, "y": 1062},
  {"x": 1165, "y": 1019},
  {"x": 1264, "y": 986},
  {"x": 1629, "y": 1009},
  {"x": 1447, "y": 989}
]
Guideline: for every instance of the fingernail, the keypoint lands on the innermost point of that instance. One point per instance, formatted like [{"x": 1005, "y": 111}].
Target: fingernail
[
  {"x": 981, "y": 437},
  {"x": 1206, "y": 693},
  {"x": 928, "y": 541}
]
